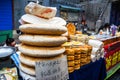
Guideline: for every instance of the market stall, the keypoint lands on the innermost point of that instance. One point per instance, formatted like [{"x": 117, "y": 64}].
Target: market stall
[
  {"x": 112, "y": 55},
  {"x": 51, "y": 49},
  {"x": 111, "y": 50},
  {"x": 47, "y": 45}
]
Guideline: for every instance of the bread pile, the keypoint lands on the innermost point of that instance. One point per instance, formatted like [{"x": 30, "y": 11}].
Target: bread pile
[
  {"x": 70, "y": 57},
  {"x": 42, "y": 38},
  {"x": 74, "y": 35},
  {"x": 77, "y": 56},
  {"x": 79, "y": 37},
  {"x": 77, "y": 51},
  {"x": 86, "y": 51}
]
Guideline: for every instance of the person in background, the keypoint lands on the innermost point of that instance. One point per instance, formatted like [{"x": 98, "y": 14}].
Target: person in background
[
  {"x": 10, "y": 42},
  {"x": 105, "y": 27},
  {"x": 113, "y": 29},
  {"x": 84, "y": 27},
  {"x": 19, "y": 32}
]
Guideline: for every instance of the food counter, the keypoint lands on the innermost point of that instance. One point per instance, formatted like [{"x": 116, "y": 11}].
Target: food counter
[
  {"x": 92, "y": 71},
  {"x": 112, "y": 54},
  {"x": 111, "y": 51}
]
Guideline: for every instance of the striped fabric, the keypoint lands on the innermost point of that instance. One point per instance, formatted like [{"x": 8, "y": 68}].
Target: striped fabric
[{"x": 15, "y": 58}]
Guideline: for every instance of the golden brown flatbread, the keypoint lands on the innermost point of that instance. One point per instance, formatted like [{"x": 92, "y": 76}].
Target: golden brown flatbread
[
  {"x": 40, "y": 51},
  {"x": 49, "y": 29},
  {"x": 30, "y": 61},
  {"x": 71, "y": 29},
  {"x": 27, "y": 69},
  {"x": 42, "y": 40}
]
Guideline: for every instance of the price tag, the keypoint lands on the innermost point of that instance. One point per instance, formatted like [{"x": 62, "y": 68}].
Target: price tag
[{"x": 52, "y": 69}]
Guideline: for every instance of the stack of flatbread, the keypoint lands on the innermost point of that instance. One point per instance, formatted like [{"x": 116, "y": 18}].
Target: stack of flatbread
[
  {"x": 77, "y": 58},
  {"x": 42, "y": 38},
  {"x": 70, "y": 57},
  {"x": 85, "y": 55}
]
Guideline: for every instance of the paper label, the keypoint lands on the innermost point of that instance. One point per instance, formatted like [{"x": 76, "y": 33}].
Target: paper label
[{"x": 52, "y": 69}]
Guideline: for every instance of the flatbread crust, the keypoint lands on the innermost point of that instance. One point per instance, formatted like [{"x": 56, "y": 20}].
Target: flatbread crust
[
  {"x": 42, "y": 40},
  {"x": 30, "y": 61},
  {"x": 70, "y": 58},
  {"x": 70, "y": 52},
  {"x": 27, "y": 69},
  {"x": 41, "y": 51},
  {"x": 31, "y": 19},
  {"x": 26, "y": 76},
  {"x": 42, "y": 28},
  {"x": 76, "y": 67},
  {"x": 71, "y": 63},
  {"x": 70, "y": 69}
]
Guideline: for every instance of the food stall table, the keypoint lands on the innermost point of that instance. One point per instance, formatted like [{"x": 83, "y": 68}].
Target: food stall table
[{"x": 92, "y": 71}]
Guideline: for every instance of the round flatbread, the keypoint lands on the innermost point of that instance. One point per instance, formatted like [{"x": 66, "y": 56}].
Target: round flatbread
[
  {"x": 28, "y": 18},
  {"x": 42, "y": 40},
  {"x": 41, "y": 51},
  {"x": 71, "y": 63},
  {"x": 49, "y": 29},
  {"x": 70, "y": 69},
  {"x": 71, "y": 29},
  {"x": 76, "y": 67},
  {"x": 70, "y": 58},
  {"x": 27, "y": 69},
  {"x": 30, "y": 61},
  {"x": 26, "y": 76}
]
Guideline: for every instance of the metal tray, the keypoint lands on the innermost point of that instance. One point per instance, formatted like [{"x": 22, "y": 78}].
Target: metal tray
[{"x": 6, "y": 51}]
